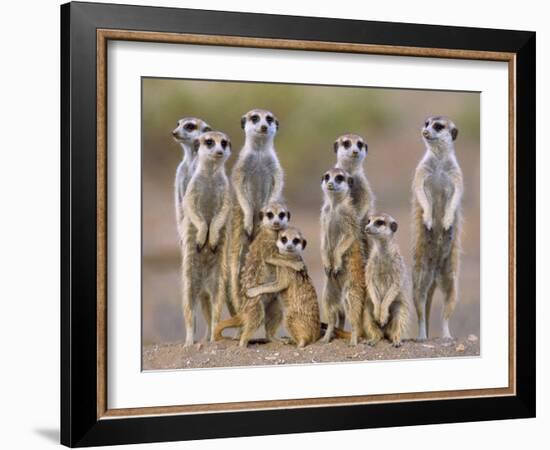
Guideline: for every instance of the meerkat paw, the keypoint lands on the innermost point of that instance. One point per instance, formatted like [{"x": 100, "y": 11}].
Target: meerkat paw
[
  {"x": 448, "y": 220},
  {"x": 373, "y": 341},
  {"x": 326, "y": 338},
  {"x": 336, "y": 271},
  {"x": 383, "y": 317},
  {"x": 396, "y": 343},
  {"x": 428, "y": 221},
  {"x": 328, "y": 272}
]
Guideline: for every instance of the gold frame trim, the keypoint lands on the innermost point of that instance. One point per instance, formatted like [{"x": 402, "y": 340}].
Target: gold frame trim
[{"x": 104, "y": 35}]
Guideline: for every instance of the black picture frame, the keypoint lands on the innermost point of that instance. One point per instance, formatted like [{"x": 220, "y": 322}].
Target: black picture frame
[{"x": 80, "y": 425}]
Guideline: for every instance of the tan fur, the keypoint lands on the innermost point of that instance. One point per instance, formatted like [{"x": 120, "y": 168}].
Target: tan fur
[
  {"x": 437, "y": 193},
  {"x": 295, "y": 290},
  {"x": 206, "y": 206},
  {"x": 342, "y": 257},
  {"x": 257, "y": 179},
  {"x": 386, "y": 278}
]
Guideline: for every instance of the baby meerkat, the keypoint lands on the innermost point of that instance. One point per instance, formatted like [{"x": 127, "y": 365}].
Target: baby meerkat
[
  {"x": 351, "y": 150},
  {"x": 437, "y": 194},
  {"x": 386, "y": 279},
  {"x": 207, "y": 203},
  {"x": 186, "y": 131},
  {"x": 295, "y": 290},
  {"x": 266, "y": 308},
  {"x": 257, "y": 180},
  {"x": 341, "y": 254}
]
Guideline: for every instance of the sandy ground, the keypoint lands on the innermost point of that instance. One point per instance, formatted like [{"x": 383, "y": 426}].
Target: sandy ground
[{"x": 227, "y": 353}]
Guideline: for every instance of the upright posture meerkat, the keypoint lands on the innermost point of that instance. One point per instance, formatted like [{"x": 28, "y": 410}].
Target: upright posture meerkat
[
  {"x": 257, "y": 180},
  {"x": 295, "y": 290},
  {"x": 207, "y": 204},
  {"x": 351, "y": 151},
  {"x": 386, "y": 279},
  {"x": 265, "y": 308},
  {"x": 341, "y": 254},
  {"x": 186, "y": 131},
  {"x": 437, "y": 193}
]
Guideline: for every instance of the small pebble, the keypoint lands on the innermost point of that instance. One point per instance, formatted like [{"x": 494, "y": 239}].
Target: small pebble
[
  {"x": 460, "y": 348},
  {"x": 472, "y": 338}
]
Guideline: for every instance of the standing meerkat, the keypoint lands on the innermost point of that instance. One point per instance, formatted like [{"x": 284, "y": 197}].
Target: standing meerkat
[
  {"x": 257, "y": 180},
  {"x": 386, "y": 279},
  {"x": 207, "y": 204},
  {"x": 294, "y": 289},
  {"x": 186, "y": 131},
  {"x": 351, "y": 150},
  {"x": 341, "y": 255},
  {"x": 266, "y": 308},
  {"x": 437, "y": 193}
]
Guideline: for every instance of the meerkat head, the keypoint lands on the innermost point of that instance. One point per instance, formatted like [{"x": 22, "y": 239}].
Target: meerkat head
[
  {"x": 439, "y": 130},
  {"x": 336, "y": 182},
  {"x": 381, "y": 226},
  {"x": 274, "y": 216},
  {"x": 259, "y": 123},
  {"x": 350, "y": 148},
  {"x": 212, "y": 146},
  {"x": 188, "y": 129},
  {"x": 291, "y": 242}
]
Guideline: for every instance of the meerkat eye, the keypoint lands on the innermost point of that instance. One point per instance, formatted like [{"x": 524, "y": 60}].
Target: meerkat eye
[
  {"x": 270, "y": 215},
  {"x": 284, "y": 240},
  {"x": 269, "y": 119},
  {"x": 359, "y": 145},
  {"x": 327, "y": 177},
  {"x": 379, "y": 223},
  {"x": 282, "y": 215},
  {"x": 223, "y": 143},
  {"x": 438, "y": 126},
  {"x": 426, "y": 124},
  {"x": 206, "y": 129},
  {"x": 368, "y": 221},
  {"x": 296, "y": 241},
  {"x": 255, "y": 118},
  {"x": 339, "y": 178},
  {"x": 190, "y": 126},
  {"x": 209, "y": 143},
  {"x": 347, "y": 144}
]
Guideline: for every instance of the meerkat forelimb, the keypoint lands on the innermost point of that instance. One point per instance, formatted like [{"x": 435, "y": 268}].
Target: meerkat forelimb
[
  {"x": 437, "y": 193},
  {"x": 341, "y": 255},
  {"x": 386, "y": 280},
  {"x": 206, "y": 207},
  {"x": 186, "y": 131},
  {"x": 294, "y": 288},
  {"x": 257, "y": 179}
]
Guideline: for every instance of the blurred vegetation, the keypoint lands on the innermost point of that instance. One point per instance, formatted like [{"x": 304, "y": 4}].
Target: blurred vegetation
[{"x": 311, "y": 117}]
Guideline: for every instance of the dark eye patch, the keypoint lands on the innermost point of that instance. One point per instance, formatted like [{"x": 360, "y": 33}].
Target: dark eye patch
[
  {"x": 255, "y": 118},
  {"x": 339, "y": 178},
  {"x": 426, "y": 124},
  {"x": 359, "y": 145},
  {"x": 296, "y": 241},
  {"x": 368, "y": 221},
  {"x": 438, "y": 126},
  {"x": 269, "y": 119},
  {"x": 347, "y": 144},
  {"x": 282, "y": 215},
  {"x": 209, "y": 143},
  {"x": 284, "y": 240},
  {"x": 269, "y": 215},
  {"x": 327, "y": 177},
  {"x": 206, "y": 129},
  {"x": 379, "y": 223},
  {"x": 223, "y": 143},
  {"x": 190, "y": 126}
]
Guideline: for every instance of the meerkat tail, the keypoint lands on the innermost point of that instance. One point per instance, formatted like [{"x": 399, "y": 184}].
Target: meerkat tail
[{"x": 233, "y": 322}]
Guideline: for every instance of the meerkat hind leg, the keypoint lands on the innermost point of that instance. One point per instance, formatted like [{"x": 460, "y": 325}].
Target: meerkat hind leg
[
  {"x": 331, "y": 307},
  {"x": 448, "y": 285},
  {"x": 206, "y": 307},
  {"x": 422, "y": 284},
  {"x": 273, "y": 320}
]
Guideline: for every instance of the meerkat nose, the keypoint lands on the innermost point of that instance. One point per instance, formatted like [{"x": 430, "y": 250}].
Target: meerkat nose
[
  {"x": 425, "y": 133},
  {"x": 264, "y": 128},
  {"x": 174, "y": 133}
]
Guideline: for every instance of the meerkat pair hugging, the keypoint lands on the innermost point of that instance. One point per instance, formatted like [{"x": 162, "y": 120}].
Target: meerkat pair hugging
[
  {"x": 257, "y": 180},
  {"x": 207, "y": 203},
  {"x": 437, "y": 217}
]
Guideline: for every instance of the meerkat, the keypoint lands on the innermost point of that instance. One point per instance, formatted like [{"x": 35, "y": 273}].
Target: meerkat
[
  {"x": 437, "y": 193},
  {"x": 266, "y": 308},
  {"x": 257, "y": 180},
  {"x": 342, "y": 256},
  {"x": 386, "y": 279},
  {"x": 351, "y": 151},
  {"x": 207, "y": 204},
  {"x": 295, "y": 290},
  {"x": 186, "y": 131}
]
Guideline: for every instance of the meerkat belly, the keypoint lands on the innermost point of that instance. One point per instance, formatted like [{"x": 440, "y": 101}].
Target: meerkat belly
[
  {"x": 335, "y": 231},
  {"x": 258, "y": 182},
  {"x": 209, "y": 202}
]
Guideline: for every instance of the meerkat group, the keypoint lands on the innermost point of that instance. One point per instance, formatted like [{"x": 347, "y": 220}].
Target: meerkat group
[{"x": 238, "y": 250}]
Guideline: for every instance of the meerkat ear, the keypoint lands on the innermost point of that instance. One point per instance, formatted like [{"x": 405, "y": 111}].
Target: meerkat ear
[
  {"x": 393, "y": 226},
  {"x": 350, "y": 181},
  {"x": 196, "y": 144},
  {"x": 304, "y": 243},
  {"x": 261, "y": 215},
  {"x": 277, "y": 123},
  {"x": 243, "y": 122},
  {"x": 335, "y": 146},
  {"x": 454, "y": 133},
  {"x": 366, "y": 148},
  {"x": 206, "y": 129},
  {"x": 288, "y": 215}
]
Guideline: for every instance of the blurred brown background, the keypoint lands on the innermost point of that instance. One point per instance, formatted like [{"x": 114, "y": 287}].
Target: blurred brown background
[{"x": 311, "y": 118}]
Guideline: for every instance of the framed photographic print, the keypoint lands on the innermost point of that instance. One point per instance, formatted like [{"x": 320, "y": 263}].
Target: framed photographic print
[{"x": 277, "y": 224}]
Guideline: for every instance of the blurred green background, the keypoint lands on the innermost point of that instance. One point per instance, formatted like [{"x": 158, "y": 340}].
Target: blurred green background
[{"x": 311, "y": 118}]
